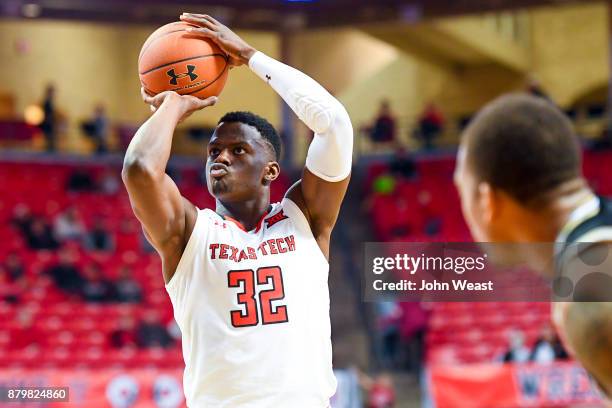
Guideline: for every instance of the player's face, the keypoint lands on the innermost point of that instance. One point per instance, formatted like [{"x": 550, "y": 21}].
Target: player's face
[
  {"x": 467, "y": 186},
  {"x": 237, "y": 161}
]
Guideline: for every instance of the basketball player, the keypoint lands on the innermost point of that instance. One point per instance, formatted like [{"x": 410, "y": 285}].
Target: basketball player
[
  {"x": 248, "y": 281},
  {"x": 520, "y": 180}
]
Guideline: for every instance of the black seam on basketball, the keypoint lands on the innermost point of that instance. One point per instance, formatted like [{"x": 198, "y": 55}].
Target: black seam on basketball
[
  {"x": 210, "y": 83},
  {"x": 183, "y": 60},
  {"x": 157, "y": 38}
]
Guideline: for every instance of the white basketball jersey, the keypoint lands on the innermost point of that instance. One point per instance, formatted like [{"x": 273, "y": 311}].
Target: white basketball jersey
[{"x": 253, "y": 308}]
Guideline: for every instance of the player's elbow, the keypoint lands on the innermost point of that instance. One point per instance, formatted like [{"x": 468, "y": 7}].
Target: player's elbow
[{"x": 137, "y": 171}]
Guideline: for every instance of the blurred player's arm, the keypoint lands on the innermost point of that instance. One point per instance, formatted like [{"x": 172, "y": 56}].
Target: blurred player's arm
[
  {"x": 166, "y": 217},
  {"x": 325, "y": 179},
  {"x": 587, "y": 323}
]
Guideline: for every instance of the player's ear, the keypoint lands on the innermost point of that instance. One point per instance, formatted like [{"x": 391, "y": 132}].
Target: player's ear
[
  {"x": 488, "y": 202},
  {"x": 271, "y": 172}
]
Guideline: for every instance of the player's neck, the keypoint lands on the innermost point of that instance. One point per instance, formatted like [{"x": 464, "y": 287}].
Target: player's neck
[
  {"x": 545, "y": 224},
  {"x": 247, "y": 213}
]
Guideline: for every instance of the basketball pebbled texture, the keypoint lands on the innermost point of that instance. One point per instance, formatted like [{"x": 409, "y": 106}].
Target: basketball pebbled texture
[{"x": 172, "y": 60}]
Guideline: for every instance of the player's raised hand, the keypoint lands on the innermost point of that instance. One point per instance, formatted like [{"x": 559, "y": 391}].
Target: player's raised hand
[
  {"x": 238, "y": 50},
  {"x": 187, "y": 104}
]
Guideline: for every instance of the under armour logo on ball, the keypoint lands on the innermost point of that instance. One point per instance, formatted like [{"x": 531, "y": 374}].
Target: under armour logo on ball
[{"x": 174, "y": 76}]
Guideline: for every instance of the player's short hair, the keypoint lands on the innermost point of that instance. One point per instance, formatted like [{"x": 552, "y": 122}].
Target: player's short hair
[
  {"x": 265, "y": 128},
  {"x": 523, "y": 145}
]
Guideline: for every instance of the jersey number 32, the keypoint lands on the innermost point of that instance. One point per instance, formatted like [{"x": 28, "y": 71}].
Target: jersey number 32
[{"x": 248, "y": 279}]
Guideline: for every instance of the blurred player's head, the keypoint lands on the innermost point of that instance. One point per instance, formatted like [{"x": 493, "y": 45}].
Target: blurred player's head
[
  {"x": 517, "y": 157},
  {"x": 243, "y": 155}
]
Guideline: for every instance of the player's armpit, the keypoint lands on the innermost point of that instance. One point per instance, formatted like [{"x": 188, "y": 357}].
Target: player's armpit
[{"x": 320, "y": 202}]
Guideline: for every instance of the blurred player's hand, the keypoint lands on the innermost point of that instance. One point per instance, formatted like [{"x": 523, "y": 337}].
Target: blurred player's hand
[
  {"x": 187, "y": 104},
  {"x": 238, "y": 50}
]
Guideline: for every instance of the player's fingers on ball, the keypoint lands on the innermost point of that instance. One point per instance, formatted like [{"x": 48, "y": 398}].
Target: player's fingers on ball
[
  {"x": 199, "y": 21},
  {"x": 153, "y": 108},
  {"x": 201, "y": 32},
  {"x": 211, "y": 19},
  {"x": 210, "y": 101},
  {"x": 145, "y": 96}
]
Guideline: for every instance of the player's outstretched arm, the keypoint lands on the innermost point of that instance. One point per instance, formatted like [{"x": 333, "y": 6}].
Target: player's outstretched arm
[
  {"x": 328, "y": 165},
  {"x": 166, "y": 217}
]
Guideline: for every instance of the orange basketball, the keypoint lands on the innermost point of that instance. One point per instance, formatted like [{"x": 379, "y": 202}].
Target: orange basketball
[{"x": 172, "y": 60}]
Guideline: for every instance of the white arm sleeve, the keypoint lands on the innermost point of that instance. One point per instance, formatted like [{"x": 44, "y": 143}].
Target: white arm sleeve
[{"x": 330, "y": 152}]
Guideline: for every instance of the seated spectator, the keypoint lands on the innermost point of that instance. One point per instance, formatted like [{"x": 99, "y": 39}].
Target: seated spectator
[
  {"x": 517, "y": 352},
  {"x": 14, "y": 266},
  {"x": 68, "y": 226},
  {"x": 125, "y": 333},
  {"x": 10, "y": 290},
  {"x": 80, "y": 181},
  {"x": 383, "y": 129},
  {"x": 387, "y": 321},
  {"x": 548, "y": 348},
  {"x": 431, "y": 125},
  {"x": 432, "y": 222},
  {"x": 380, "y": 392},
  {"x": 109, "y": 183},
  {"x": 22, "y": 218},
  {"x": 98, "y": 238},
  {"x": 152, "y": 333},
  {"x": 25, "y": 335},
  {"x": 96, "y": 289},
  {"x": 66, "y": 274},
  {"x": 127, "y": 289},
  {"x": 40, "y": 235},
  {"x": 402, "y": 165},
  {"x": 97, "y": 128},
  {"x": 534, "y": 87}
]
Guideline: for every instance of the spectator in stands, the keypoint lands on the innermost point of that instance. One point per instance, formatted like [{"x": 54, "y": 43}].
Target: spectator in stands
[
  {"x": 40, "y": 235},
  {"x": 125, "y": 333},
  {"x": 383, "y": 129},
  {"x": 535, "y": 88},
  {"x": 49, "y": 123},
  {"x": 109, "y": 183},
  {"x": 14, "y": 267},
  {"x": 97, "y": 128},
  {"x": 25, "y": 335},
  {"x": 388, "y": 321},
  {"x": 517, "y": 352},
  {"x": 152, "y": 333},
  {"x": 66, "y": 274},
  {"x": 127, "y": 289},
  {"x": 10, "y": 290},
  {"x": 80, "y": 180},
  {"x": 431, "y": 125},
  {"x": 22, "y": 218},
  {"x": 98, "y": 238},
  {"x": 380, "y": 392},
  {"x": 69, "y": 227},
  {"x": 548, "y": 347},
  {"x": 413, "y": 325},
  {"x": 402, "y": 165},
  {"x": 96, "y": 288},
  {"x": 432, "y": 222}
]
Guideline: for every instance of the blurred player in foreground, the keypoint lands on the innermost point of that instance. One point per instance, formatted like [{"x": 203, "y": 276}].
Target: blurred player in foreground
[
  {"x": 248, "y": 281},
  {"x": 520, "y": 180}
]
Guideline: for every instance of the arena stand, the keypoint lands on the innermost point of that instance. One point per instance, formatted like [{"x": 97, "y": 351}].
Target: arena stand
[
  {"x": 71, "y": 333},
  {"x": 465, "y": 341}
]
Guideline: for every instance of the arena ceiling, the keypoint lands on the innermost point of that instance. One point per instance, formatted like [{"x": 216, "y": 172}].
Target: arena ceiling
[{"x": 277, "y": 15}]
